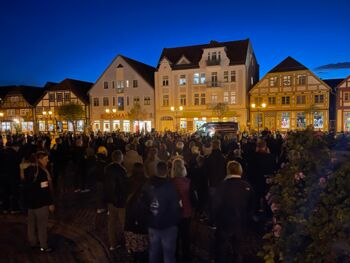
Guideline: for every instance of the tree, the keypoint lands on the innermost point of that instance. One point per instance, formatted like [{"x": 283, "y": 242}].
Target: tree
[
  {"x": 136, "y": 113},
  {"x": 71, "y": 112},
  {"x": 310, "y": 201},
  {"x": 219, "y": 109}
]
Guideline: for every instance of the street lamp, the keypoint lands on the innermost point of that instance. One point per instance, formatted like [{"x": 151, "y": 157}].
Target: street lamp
[
  {"x": 176, "y": 110},
  {"x": 262, "y": 106}
]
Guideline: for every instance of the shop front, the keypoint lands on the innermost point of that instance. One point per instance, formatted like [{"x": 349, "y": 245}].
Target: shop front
[{"x": 346, "y": 119}]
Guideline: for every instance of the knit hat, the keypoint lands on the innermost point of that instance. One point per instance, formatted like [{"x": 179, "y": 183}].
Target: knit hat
[{"x": 102, "y": 150}]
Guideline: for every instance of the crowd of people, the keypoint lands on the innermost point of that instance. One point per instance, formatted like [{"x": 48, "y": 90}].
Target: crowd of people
[{"x": 151, "y": 186}]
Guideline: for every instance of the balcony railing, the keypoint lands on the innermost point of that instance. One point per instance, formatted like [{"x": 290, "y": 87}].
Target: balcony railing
[
  {"x": 214, "y": 84},
  {"x": 213, "y": 62}
]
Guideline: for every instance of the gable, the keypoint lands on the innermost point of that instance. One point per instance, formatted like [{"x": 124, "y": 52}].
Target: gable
[{"x": 183, "y": 61}]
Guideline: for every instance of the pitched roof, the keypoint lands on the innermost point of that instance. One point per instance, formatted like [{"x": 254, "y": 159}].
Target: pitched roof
[
  {"x": 78, "y": 87},
  {"x": 236, "y": 52},
  {"x": 288, "y": 64},
  {"x": 333, "y": 83},
  {"x": 30, "y": 93},
  {"x": 144, "y": 70}
]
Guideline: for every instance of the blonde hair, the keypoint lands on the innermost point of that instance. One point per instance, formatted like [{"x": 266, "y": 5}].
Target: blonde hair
[
  {"x": 234, "y": 167},
  {"x": 178, "y": 168}
]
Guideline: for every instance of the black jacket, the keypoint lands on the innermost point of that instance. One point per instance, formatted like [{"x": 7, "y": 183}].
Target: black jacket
[
  {"x": 162, "y": 203},
  {"x": 37, "y": 191},
  {"x": 215, "y": 168},
  {"x": 233, "y": 206},
  {"x": 116, "y": 185}
]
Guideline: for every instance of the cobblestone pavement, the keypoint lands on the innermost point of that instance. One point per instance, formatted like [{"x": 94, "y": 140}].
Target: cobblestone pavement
[{"x": 79, "y": 234}]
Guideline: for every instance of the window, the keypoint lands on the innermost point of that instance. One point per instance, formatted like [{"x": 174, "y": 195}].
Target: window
[
  {"x": 196, "y": 99},
  {"x": 202, "y": 78},
  {"x": 113, "y": 101},
  {"x": 214, "y": 98},
  {"x": 165, "y": 100},
  {"x": 182, "y": 80},
  {"x": 225, "y": 97},
  {"x": 301, "y": 99},
  {"x": 105, "y": 85},
  {"x": 258, "y": 101},
  {"x": 301, "y": 120},
  {"x": 233, "y": 97},
  {"x": 203, "y": 98},
  {"x": 346, "y": 121},
  {"x": 196, "y": 78},
  {"x": 301, "y": 80},
  {"x": 96, "y": 102},
  {"x": 136, "y": 100},
  {"x": 120, "y": 103},
  {"x": 273, "y": 81},
  {"x": 287, "y": 80},
  {"x": 11, "y": 112},
  {"x": 233, "y": 76},
  {"x": 127, "y": 83},
  {"x": 113, "y": 84},
  {"x": 347, "y": 96},
  {"x": 105, "y": 101},
  {"x": 165, "y": 81},
  {"x": 318, "y": 120},
  {"x": 183, "y": 100},
  {"x": 135, "y": 83},
  {"x": 147, "y": 100},
  {"x": 51, "y": 97},
  {"x": 285, "y": 122},
  {"x": 225, "y": 76},
  {"x": 59, "y": 97},
  {"x": 319, "y": 98},
  {"x": 23, "y": 112},
  {"x": 285, "y": 100},
  {"x": 272, "y": 100},
  {"x": 67, "y": 96},
  {"x": 14, "y": 99},
  {"x": 127, "y": 100},
  {"x": 214, "y": 79}
]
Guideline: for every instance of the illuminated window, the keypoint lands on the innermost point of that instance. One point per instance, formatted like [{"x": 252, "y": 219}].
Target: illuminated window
[
  {"x": 196, "y": 78},
  {"x": 147, "y": 100},
  {"x": 165, "y": 100},
  {"x": 182, "y": 80},
  {"x": 273, "y": 81},
  {"x": 287, "y": 80},
  {"x": 233, "y": 97},
  {"x": 183, "y": 100}
]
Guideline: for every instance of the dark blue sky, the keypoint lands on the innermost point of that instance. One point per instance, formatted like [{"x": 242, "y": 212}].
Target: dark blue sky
[{"x": 46, "y": 40}]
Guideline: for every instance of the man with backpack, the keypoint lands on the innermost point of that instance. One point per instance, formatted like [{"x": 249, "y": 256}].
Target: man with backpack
[{"x": 163, "y": 205}]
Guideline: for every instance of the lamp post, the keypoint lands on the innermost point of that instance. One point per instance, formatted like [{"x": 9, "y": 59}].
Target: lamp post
[
  {"x": 176, "y": 110},
  {"x": 262, "y": 106}
]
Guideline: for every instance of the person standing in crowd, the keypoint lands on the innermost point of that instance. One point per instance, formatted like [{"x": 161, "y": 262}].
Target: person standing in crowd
[
  {"x": 261, "y": 165},
  {"x": 214, "y": 167},
  {"x": 135, "y": 231},
  {"x": 131, "y": 157},
  {"x": 151, "y": 162},
  {"x": 39, "y": 199},
  {"x": 182, "y": 184},
  {"x": 232, "y": 212},
  {"x": 116, "y": 189},
  {"x": 162, "y": 200},
  {"x": 59, "y": 161},
  {"x": 78, "y": 154},
  {"x": 99, "y": 173}
]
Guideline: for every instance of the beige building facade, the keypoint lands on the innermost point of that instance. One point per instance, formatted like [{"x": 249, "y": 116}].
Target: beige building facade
[
  {"x": 289, "y": 97},
  {"x": 204, "y": 83},
  {"x": 123, "y": 97},
  {"x": 343, "y": 105}
]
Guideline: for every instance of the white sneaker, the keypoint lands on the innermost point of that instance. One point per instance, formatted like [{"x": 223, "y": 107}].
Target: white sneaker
[
  {"x": 76, "y": 190},
  {"x": 85, "y": 191}
]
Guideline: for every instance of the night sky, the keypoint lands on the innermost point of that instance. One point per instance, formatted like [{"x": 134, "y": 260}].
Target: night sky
[{"x": 46, "y": 40}]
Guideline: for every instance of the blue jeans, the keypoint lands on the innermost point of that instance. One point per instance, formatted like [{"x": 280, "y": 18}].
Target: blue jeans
[{"x": 162, "y": 240}]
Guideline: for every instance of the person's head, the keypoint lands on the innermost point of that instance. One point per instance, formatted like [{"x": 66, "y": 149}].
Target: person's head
[
  {"x": 138, "y": 170},
  {"x": 261, "y": 146},
  {"x": 102, "y": 151},
  {"x": 109, "y": 140},
  {"x": 234, "y": 167},
  {"x": 162, "y": 169},
  {"x": 117, "y": 156},
  {"x": 178, "y": 168},
  {"x": 132, "y": 147},
  {"x": 216, "y": 145},
  {"x": 43, "y": 158},
  {"x": 79, "y": 142}
]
